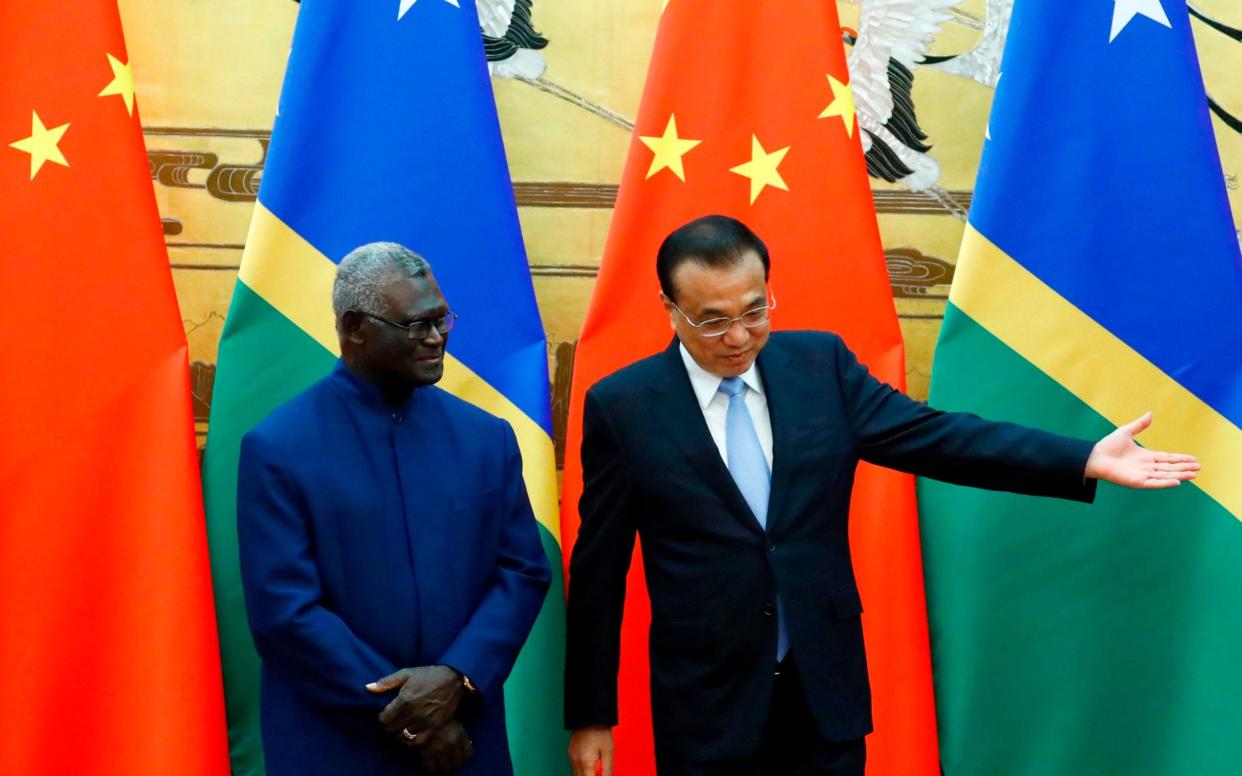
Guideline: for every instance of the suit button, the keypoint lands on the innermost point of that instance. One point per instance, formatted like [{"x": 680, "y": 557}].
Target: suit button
[
  {"x": 769, "y": 609},
  {"x": 771, "y": 547}
]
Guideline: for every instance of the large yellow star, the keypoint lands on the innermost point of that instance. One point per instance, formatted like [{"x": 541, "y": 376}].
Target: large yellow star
[
  {"x": 42, "y": 144},
  {"x": 122, "y": 83},
  {"x": 842, "y": 104},
  {"x": 761, "y": 169},
  {"x": 668, "y": 149}
]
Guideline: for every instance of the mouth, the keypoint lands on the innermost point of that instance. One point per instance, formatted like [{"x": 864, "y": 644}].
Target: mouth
[
  {"x": 737, "y": 358},
  {"x": 430, "y": 360}
]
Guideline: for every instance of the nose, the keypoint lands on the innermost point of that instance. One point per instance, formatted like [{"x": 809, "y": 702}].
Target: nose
[
  {"x": 434, "y": 337},
  {"x": 737, "y": 334}
]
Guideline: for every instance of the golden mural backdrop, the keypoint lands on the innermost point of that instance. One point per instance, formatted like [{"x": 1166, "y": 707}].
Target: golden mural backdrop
[{"x": 208, "y": 76}]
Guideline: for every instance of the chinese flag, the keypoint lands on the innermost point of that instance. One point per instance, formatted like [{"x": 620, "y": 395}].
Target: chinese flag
[
  {"x": 109, "y": 662},
  {"x": 747, "y": 112}
]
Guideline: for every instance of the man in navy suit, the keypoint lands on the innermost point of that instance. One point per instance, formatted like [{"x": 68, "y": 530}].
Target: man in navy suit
[
  {"x": 390, "y": 559},
  {"x": 732, "y": 454}
]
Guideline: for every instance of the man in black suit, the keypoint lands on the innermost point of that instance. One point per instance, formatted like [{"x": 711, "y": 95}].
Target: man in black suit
[{"x": 757, "y": 660}]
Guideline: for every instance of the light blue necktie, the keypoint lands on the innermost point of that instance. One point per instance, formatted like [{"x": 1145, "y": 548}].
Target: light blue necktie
[{"x": 750, "y": 471}]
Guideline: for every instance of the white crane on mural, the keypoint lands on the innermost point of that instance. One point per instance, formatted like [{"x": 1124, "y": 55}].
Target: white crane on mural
[
  {"x": 513, "y": 50},
  {"x": 510, "y": 40},
  {"x": 892, "y": 39},
  {"x": 981, "y": 63}
]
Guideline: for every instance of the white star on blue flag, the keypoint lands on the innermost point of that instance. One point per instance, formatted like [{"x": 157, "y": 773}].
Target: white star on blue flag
[
  {"x": 1125, "y": 10},
  {"x": 408, "y": 4}
]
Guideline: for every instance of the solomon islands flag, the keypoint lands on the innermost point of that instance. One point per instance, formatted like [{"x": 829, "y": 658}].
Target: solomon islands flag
[
  {"x": 1099, "y": 277},
  {"x": 386, "y": 130}
]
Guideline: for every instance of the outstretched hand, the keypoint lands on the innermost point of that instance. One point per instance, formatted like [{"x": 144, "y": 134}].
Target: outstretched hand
[{"x": 1118, "y": 459}]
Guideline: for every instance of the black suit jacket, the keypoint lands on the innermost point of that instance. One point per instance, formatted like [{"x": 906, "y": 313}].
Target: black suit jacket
[{"x": 650, "y": 468}]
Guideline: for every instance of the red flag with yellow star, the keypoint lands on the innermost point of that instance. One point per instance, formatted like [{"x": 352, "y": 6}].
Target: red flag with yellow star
[
  {"x": 747, "y": 113},
  {"x": 109, "y": 662}
]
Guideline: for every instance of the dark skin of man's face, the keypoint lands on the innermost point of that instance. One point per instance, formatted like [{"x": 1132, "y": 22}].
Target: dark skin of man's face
[{"x": 384, "y": 354}]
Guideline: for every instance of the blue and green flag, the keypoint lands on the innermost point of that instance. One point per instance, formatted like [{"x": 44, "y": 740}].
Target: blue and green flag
[
  {"x": 386, "y": 130},
  {"x": 1099, "y": 278}
]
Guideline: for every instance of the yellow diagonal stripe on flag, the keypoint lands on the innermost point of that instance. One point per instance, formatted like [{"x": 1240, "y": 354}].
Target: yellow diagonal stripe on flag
[{"x": 1093, "y": 364}]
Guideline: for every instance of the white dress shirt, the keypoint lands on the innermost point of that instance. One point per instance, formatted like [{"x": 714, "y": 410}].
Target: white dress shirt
[{"x": 715, "y": 405}]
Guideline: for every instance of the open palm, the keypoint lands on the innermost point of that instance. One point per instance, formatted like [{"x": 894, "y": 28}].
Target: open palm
[{"x": 1118, "y": 459}]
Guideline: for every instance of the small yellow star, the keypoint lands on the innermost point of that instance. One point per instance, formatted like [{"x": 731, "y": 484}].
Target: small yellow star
[
  {"x": 122, "y": 83},
  {"x": 42, "y": 144},
  {"x": 842, "y": 104},
  {"x": 668, "y": 149},
  {"x": 761, "y": 169}
]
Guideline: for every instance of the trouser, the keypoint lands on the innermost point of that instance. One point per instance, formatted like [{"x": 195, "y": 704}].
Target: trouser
[{"x": 791, "y": 745}]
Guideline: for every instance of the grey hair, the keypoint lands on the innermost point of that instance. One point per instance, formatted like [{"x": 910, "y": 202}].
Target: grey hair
[{"x": 361, "y": 275}]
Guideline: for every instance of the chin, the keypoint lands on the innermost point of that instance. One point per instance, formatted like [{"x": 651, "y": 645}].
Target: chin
[
  {"x": 734, "y": 370},
  {"x": 431, "y": 376},
  {"x": 420, "y": 376}
]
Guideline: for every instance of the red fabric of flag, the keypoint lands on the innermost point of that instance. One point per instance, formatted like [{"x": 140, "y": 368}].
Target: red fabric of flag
[
  {"x": 747, "y": 113},
  {"x": 109, "y": 662}
]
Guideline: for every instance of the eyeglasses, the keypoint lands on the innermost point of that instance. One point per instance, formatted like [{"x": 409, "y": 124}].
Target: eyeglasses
[
  {"x": 419, "y": 329},
  {"x": 716, "y": 327}
]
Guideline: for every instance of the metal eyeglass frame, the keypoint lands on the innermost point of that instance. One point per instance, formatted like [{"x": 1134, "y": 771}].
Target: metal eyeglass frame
[
  {"x": 421, "y": 328},
  {"x": 728, "y": 322}
]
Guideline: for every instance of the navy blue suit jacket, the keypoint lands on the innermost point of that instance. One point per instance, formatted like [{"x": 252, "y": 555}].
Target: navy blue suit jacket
[
  {"x": 374, "y": 538},
  {"x": 650, "y": 468}
]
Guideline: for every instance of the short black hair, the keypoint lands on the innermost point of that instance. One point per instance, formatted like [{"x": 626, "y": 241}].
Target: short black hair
[{"x": 712, "y": 241}]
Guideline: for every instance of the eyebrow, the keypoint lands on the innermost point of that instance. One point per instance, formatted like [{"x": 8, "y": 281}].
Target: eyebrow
[
  {"x": 435, "y": 312},
  {"x": 756, "y": 301}
]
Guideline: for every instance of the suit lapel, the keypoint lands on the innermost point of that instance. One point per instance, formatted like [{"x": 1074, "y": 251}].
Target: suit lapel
[
  {"x": 785, "y": 407},
  {"x": 677, "y": 411}
]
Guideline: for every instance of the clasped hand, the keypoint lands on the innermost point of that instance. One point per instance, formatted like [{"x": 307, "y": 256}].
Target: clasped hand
[{"x": 422, "y": 715}]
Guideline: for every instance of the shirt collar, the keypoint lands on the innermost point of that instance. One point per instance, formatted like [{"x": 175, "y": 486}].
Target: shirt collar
[
  {"x": 706, "y": 384},
  {"x": 364, "y": 390}
]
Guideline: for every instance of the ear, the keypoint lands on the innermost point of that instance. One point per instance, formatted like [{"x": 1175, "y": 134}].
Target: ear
[
  {"x": 670, "y": 309},
  {"x": 351, "y": 327}
]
